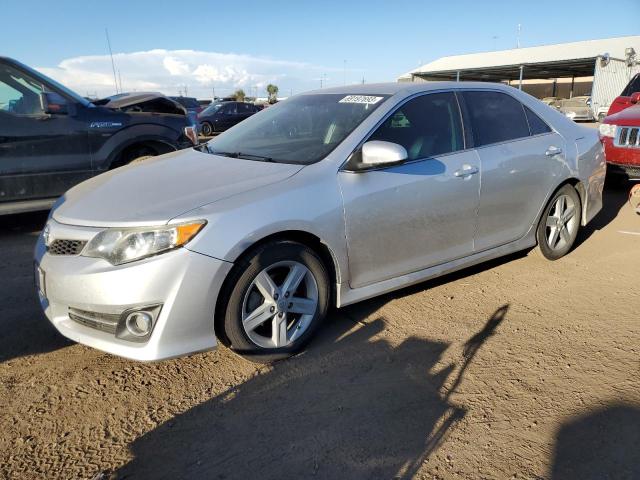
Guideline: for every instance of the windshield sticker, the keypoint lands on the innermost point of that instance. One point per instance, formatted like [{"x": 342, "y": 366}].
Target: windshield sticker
[{"x": 365, "y": 99}]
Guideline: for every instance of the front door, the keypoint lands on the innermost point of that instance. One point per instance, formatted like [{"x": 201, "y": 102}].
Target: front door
[
  {"x": 41, "y": 155},
  {"x": 405, "y": 218}
]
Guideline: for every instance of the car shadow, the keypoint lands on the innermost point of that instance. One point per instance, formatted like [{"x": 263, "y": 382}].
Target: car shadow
[
  {"x": 25, "y": 330},
  {"x": 353, "y": 406},
  {"x": 602, "y": 444},
  {"x": 613, "y": 199}
]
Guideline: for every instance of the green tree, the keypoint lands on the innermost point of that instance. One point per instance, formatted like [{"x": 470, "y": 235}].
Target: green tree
[
  {"x": 272, "y": 90},
  {"x": 239, "y": 95}
]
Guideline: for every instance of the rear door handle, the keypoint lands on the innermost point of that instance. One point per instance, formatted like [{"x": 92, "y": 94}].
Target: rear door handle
[
  {"x": 466, "y": 170},
  {"x": 551, "y": 151}
]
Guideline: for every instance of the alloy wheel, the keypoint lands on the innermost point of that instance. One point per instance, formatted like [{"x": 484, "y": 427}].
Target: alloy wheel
[
  {"x": 280, "y": 304},
  {"x": 562, "y": 223}
]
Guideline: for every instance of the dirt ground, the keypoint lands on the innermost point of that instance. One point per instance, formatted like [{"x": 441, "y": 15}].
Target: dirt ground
[{"x": 519, "y": 368}]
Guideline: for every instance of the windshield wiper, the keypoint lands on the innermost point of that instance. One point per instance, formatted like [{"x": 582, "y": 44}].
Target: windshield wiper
[{"x": 247, "y": 156}]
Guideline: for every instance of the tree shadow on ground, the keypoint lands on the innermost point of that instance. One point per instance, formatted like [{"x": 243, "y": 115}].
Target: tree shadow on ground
[
  {"x": 353, "y": 406},
  {"x": 603, "y": 444},
  {"x": 25, "y": 329}
]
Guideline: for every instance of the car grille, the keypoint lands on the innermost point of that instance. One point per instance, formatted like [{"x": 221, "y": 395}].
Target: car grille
[
  {"x": 66, "y": 247},
  {"x": 105, "y": 322},
  {"x": 627, "y": 137}
]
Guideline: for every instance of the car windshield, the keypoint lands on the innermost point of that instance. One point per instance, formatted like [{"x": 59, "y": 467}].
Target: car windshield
[
  {"x": 213, "y": 108},
  {"x": 302, "y": 129}
]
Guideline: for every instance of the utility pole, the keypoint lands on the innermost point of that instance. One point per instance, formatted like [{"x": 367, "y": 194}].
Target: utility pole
[
  {"x": 113, "y": 65},
  {"x": 518, "y": 36},
  {"x": 120, "y": 78}
]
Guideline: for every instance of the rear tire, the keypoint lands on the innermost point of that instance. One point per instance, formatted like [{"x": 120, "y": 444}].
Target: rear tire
[
  {"x": 206, "y": 129},
  {"x": 140, "y": 159},
  {"x": 559, "y": 224},
  {"x": 279, "y": 296}
]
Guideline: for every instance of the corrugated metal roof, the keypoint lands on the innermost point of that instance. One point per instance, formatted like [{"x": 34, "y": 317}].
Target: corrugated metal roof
[{"x": 521, "y": 56}]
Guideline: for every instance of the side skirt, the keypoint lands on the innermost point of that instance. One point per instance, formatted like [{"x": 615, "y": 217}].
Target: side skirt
[{"x": 347, "y": 295}]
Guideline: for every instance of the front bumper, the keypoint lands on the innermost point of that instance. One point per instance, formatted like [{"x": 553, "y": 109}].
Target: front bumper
[
  {"x": 622, "y": 160},
  {"x": 186, "y": 284}
]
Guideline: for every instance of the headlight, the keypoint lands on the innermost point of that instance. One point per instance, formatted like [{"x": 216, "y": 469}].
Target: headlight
[
  {"x": 607, "y": 130},
  {"x": 123, "y": 245}
]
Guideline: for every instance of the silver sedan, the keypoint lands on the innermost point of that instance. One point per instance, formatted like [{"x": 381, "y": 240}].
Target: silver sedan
[{"x": 325, "y": 199}]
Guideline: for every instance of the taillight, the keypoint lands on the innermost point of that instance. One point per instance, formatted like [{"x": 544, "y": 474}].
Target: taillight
[{"x": 191, "y": 133}]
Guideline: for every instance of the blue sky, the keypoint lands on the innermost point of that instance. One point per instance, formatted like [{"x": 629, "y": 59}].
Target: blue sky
[{"x": 223, "y": 45}]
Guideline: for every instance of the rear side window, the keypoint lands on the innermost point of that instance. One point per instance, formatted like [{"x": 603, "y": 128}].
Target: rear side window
[
  {"x": 495, "y": 117},
  {"x": 537, "y": 126},
  {"x": 426, "y": 126},
  {"x": 230, "y": 108}
]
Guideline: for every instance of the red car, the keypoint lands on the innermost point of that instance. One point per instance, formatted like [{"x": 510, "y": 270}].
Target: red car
[
  {"x": 620, "y": 135},
  {"x": 630, "y": 96}
]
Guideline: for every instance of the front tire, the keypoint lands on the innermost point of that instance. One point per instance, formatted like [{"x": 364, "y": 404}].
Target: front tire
[
  {"x": 559, "y": 224},
  {"x": 279, "y": 296}
]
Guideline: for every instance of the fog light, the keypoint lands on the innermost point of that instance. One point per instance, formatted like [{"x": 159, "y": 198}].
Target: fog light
[
  {"x": 139, "y": 323},
  {"x": 136, "y": 324}
]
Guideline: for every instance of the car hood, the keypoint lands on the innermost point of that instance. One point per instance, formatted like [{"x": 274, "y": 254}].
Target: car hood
[
  {"x": 159, "y": 189},
  {"x": 628, "y": 117}
]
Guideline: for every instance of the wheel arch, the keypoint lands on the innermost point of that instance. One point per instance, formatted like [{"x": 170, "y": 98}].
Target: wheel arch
[
  {"x": 308, "y": 239},
  {"x": 582, "y": 193},
  {"x": 578, "y": 186},
  {"x": 121, "y": 155}
]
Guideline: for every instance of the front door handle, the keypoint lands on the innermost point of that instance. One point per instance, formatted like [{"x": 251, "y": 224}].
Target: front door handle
[
  {"x": 552, "y": 150},
  {"x": 466, "y": 170}
]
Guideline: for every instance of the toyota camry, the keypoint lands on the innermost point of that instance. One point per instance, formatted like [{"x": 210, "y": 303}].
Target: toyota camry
[{"x": 325, "y": 199}]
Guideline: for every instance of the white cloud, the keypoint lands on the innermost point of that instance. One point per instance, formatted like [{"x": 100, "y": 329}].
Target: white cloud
[
  {"x": 169, "y": 71},
  {"x": 174, "y": 66}
]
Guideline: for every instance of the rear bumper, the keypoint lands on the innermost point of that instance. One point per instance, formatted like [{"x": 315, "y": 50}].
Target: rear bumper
[{"x": 184, "y": 283}]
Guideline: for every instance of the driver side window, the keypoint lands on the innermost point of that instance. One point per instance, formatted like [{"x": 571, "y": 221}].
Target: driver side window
[
  {"x": 426, "y": 126},
  {"x": 19, "y": 93}
]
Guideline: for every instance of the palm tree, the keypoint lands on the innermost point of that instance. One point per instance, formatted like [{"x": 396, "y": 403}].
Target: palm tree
[
  {"x": 239, "y": 95},
  {"x": 272, "y": 90}
]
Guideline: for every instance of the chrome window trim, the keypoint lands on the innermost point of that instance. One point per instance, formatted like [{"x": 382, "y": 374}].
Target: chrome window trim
[
  {"x": 455, "y": 91},
  {"x": 393, "y": 110}
]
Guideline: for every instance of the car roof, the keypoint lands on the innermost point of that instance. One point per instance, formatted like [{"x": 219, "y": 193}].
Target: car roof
[{"x": 406, "y": 88}]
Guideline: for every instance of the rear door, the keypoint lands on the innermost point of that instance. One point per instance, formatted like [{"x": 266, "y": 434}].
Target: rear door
[
  {"x": 245, "y": 110},
  {"x": 408, "y": 217},
  {"x": 41, "y": 155},
  {"x": 228, "y": 116},
  {"x": 520, "y": 158}
]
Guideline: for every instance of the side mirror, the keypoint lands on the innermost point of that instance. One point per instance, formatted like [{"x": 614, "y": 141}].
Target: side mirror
[
  {"x": 378, "y": 153},
  {"x": 635, "y": 97},
  {"x": 53, "y": 103}
]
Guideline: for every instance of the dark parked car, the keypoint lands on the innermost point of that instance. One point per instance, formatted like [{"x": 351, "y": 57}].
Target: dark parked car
[
  {"x": 52, "y": 138},
  {"x": 191, "y": 105},
  {"x": 220, "y": 116}
]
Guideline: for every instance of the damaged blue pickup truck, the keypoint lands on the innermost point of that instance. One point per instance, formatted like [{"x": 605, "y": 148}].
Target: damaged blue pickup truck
[{"x": 52, "y": 138}]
